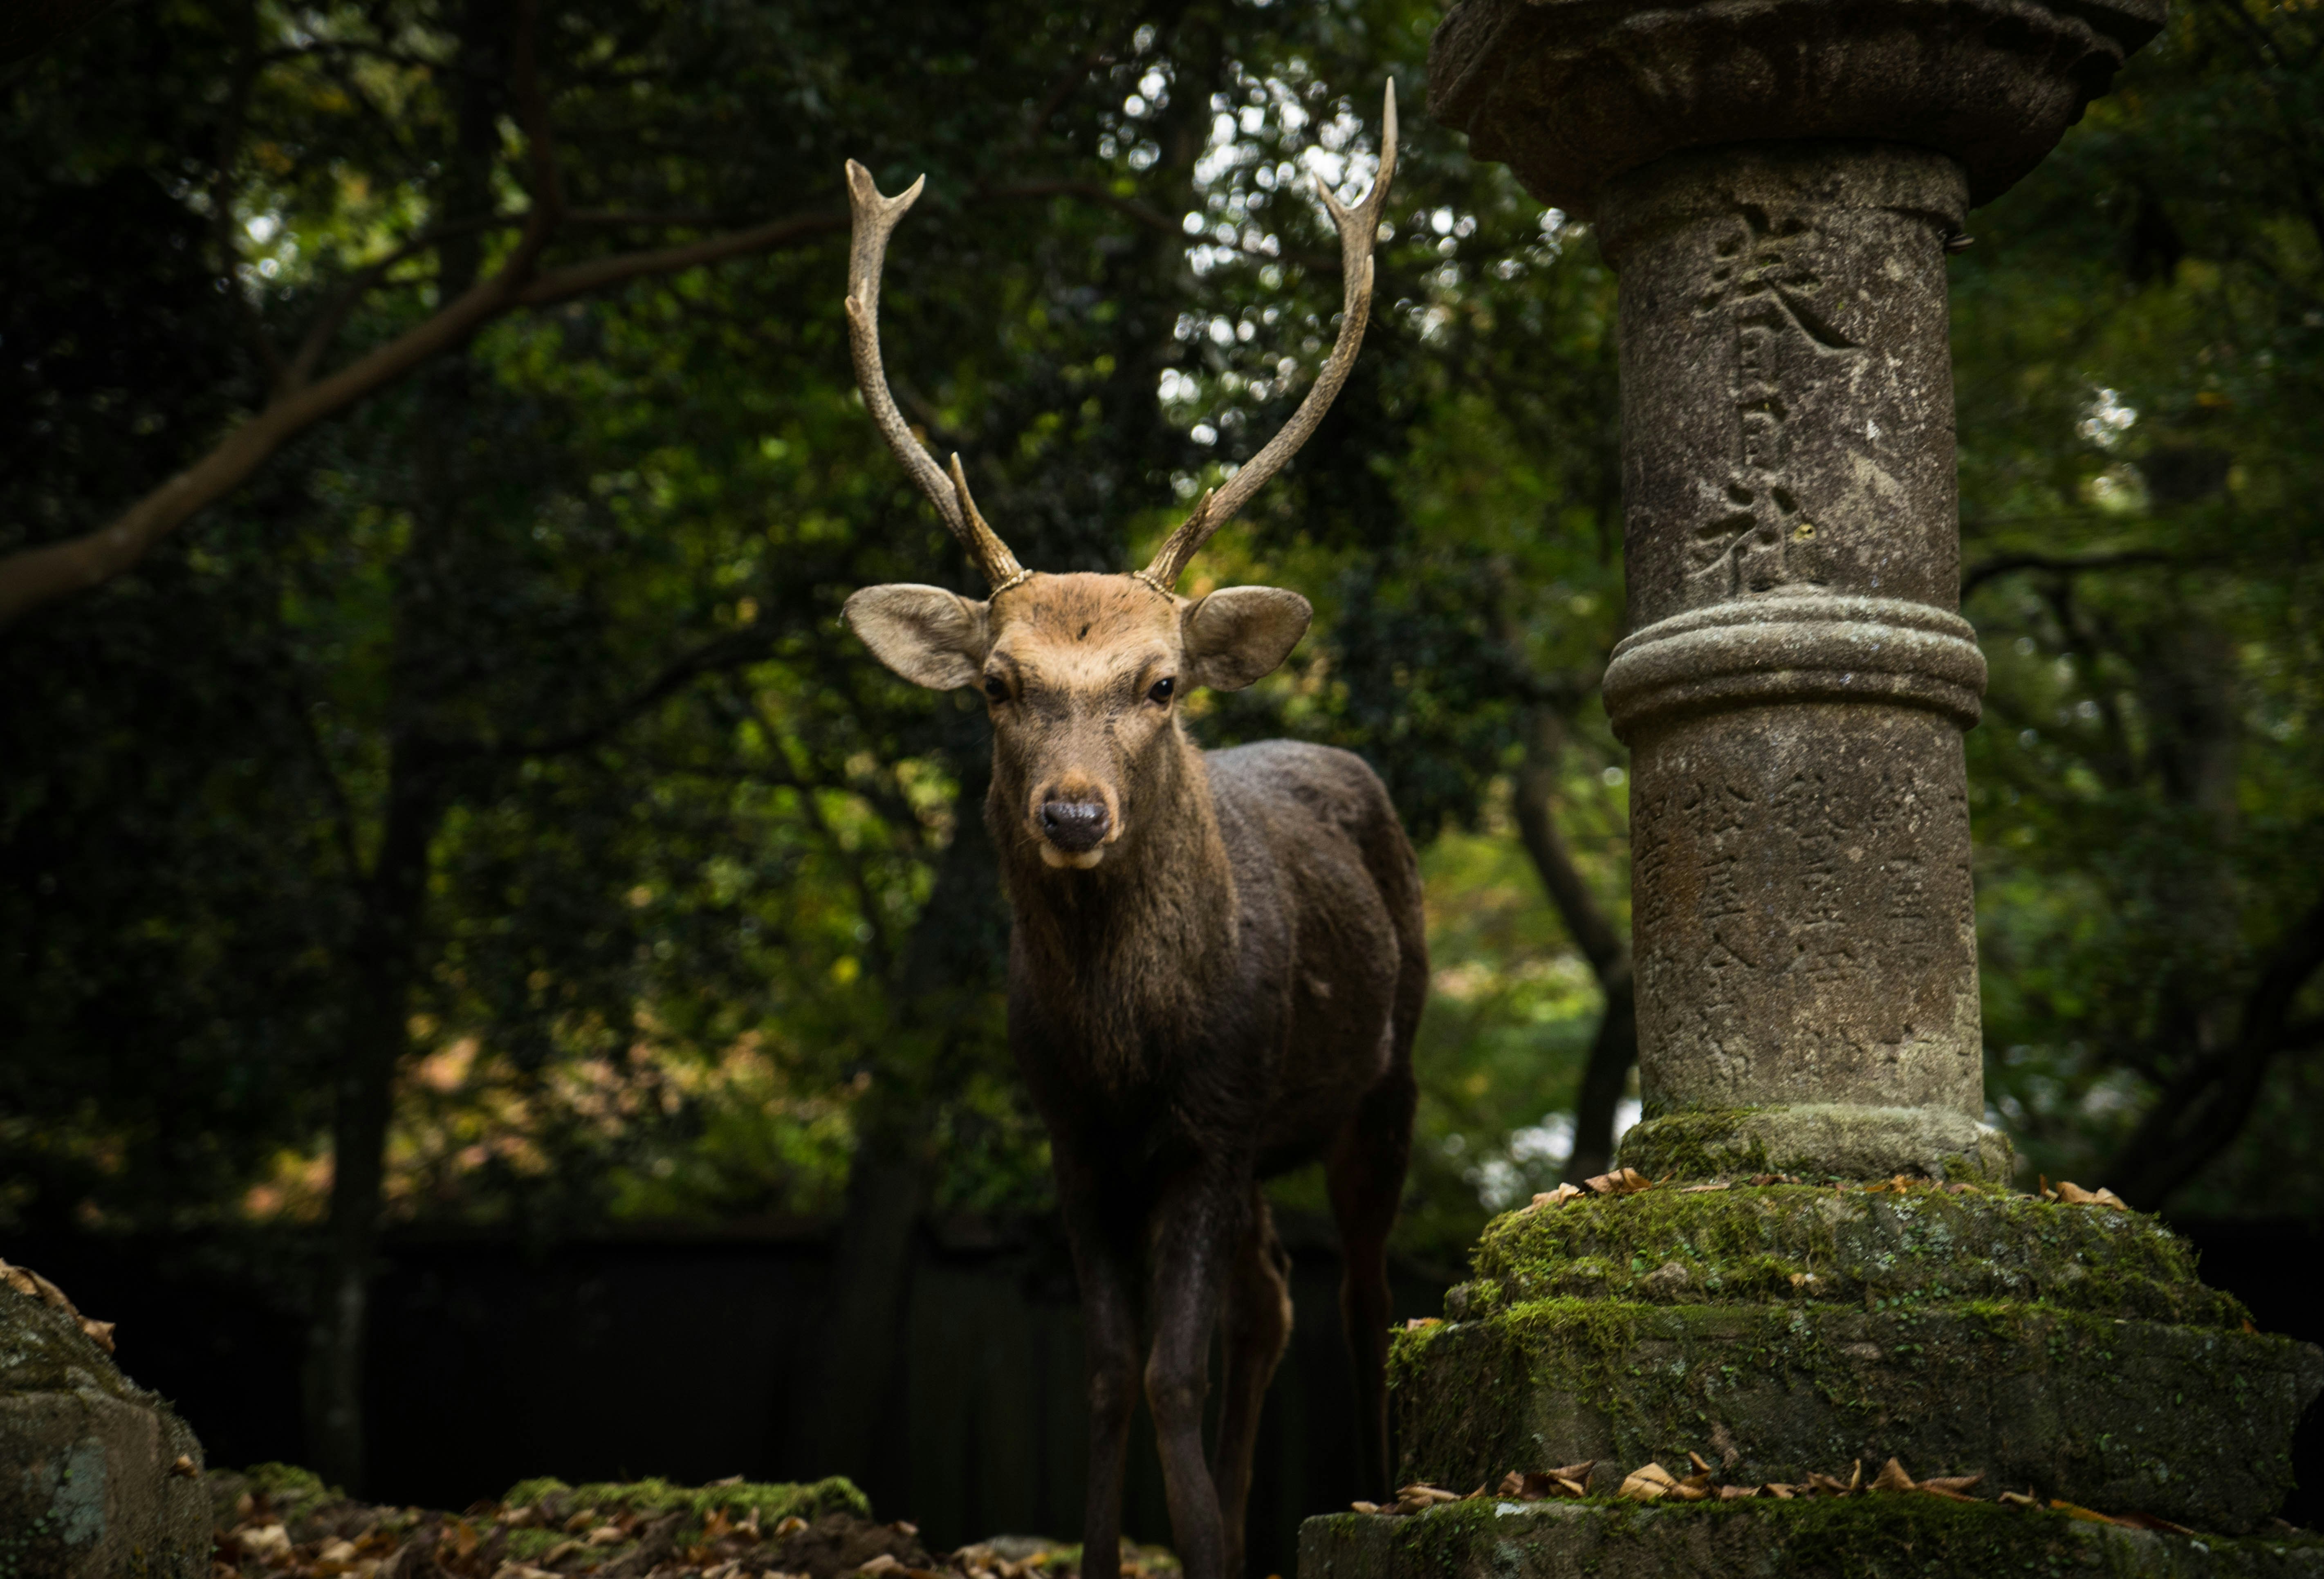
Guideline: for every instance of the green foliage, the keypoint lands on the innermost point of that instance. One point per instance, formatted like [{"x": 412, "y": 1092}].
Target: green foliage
[{"x": 702, "y": 904}]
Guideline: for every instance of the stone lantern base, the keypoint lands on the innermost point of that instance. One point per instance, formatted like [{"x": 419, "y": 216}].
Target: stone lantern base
[
  {"x": 1881, "y": 1536},
  {"x": 1784, "y": 1330}
]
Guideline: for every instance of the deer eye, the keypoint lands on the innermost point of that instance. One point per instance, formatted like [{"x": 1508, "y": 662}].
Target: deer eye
[
  {"x": 1162, "y": 688},
  {"x": 996, "y": 688}
]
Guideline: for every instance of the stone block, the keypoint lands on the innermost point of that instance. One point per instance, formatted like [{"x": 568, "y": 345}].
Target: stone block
[
  {"x": 90, "y": 1487},
  {"x": 1880, "y": 1536},
  {"x": 2067, "y": 1350}
]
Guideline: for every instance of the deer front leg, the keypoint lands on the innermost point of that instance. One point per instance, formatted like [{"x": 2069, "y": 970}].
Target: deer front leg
[
  {"x": 1257, "y": 1331},
  {"x": 1365, "y": 1173},
  {"x": 1198, "y": 1227},
  {"x": 1104, "y": 1248}
]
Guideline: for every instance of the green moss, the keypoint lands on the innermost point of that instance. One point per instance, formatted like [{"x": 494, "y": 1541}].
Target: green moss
[
  {"x": 1796, "y": 1242},
  {"x": 2111, "y": 1413},
  {"x": 1704, "y": 1145},
  {"x": 772, "y": 1502},
  {"x": 1877, "y": 1536},
  {"x": 285, "y": 1484}
]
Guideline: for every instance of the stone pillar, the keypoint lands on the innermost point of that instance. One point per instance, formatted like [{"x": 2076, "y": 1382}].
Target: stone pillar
[{"x": 1777, "y": 184}]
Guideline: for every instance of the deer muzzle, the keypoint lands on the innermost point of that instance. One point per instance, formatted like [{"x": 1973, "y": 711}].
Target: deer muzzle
[{"x": 1072, "y": 830}]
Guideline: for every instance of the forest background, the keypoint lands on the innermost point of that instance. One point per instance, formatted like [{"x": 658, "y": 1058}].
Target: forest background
[{"x": 453, "y": 800}]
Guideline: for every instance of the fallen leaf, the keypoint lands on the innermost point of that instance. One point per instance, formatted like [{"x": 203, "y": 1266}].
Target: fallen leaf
[
  {"x": 1365, "y": 1507},
  {"x": 1419, "y": 1322},
  {"x": 1961, "y": 1188},
  {"x": 338, "y": 1551},
  {"x": 1780, "y": 1492},
  {"x": 717, "y": 1527},
  {"x": 2149, "y": 1521},
  {"x": 1416, "y": 1497},
  {"x": 905, "y": 1526},
  {"x": 463, "y": 1537},
  {"x": 1737, "y": 1494},
  {"x": 99, "y": 1333},
  {"x": 881, "y": 1564},
  {"x": 182, "y": 1465},
  {"x": 1558, "y": 1196},
  {"x": 2074, "y": 1194},
  {"x": 524, "y": 1516},
  {"x": 1647, "y": 1483},
  {"x": 1572, "y": 1487},
  {"x": 267, "y": 1540},
  {"x": 1950, "y": 1496},
  {"x": 1698, "y": 1189},
  {"x": 1893, "y": 1478},
  {"x": 522, "y": 1571},
  {"x": 559, "y": 1552},
  {"x": 1695, "y": 1488},
  {"x": 1774, "y": 1179},
  {"x": 1807, "y": 1281},
  {"x": 606, "y": 1534},
  {"x": 1702, "y": 1464},
  {"x": 584, "y": 1520},
  {"x": 2018, "y": 1500},
  {"x": 1951, "y": 1483},
  {"x": 791, "y": 1525},
  {"x": 2076, "y": 1510}
]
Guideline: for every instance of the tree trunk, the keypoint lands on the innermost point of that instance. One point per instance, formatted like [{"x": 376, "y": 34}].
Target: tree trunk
[
  {"x": 949, "y": 961},
  {"x": 1615, "y": 1049},
  {"x": 382, "y": 964}
]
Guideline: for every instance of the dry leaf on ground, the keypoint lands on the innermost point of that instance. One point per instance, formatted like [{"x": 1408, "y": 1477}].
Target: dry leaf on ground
[
  {"x": 1416, "y": 1497},
  {"x": 1625, "y": 1181},
  {"x": 1698, "y": 1189},
  {"x": 1648, "y": 1483},
  {"x": 1558, "y": 1196}
]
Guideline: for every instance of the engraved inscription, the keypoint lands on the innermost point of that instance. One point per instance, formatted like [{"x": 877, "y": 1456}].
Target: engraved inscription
[{"x": 1753, "y": 534}]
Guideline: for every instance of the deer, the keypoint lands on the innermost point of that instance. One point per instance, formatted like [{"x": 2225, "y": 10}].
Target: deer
[{"x": 1216, "y": 958}]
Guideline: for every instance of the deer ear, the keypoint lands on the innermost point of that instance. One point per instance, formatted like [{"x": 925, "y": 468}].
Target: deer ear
[
  {"x": 1241, "y": 635},
  {"x": 931, "y": 637}
]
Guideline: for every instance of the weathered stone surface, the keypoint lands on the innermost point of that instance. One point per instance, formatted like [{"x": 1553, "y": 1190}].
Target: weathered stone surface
[
  {"x": 1572, "y": 93},
  {"x": 1796, "y": 681},
  {"x": 1835, "y": 1139},
  {"x": 87, "y": 1489},
  {"x": 2069, "y": 1349},
  {"x": 1805, "y": 1247},
  {"x": 1877, "y": 1536}
]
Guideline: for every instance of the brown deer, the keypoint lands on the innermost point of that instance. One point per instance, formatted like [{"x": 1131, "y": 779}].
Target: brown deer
[{"x": 1216, "y": 964}]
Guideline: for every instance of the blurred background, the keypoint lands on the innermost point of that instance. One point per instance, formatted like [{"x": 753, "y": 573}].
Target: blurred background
[{"x": 494, "y": 982}]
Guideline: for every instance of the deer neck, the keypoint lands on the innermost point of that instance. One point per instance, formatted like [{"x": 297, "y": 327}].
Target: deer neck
[{"x": 1133, "y": 942}]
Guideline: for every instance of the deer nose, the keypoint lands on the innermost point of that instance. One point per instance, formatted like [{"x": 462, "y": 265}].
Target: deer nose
[{"x": 1073, "y": 825}]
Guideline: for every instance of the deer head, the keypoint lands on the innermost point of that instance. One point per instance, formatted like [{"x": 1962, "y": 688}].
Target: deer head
[{"x": 1083, "y": 673}]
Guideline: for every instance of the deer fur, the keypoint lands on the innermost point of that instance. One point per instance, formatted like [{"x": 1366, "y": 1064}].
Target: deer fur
[
  {"x": 1222, "y": 986},
  {"x": 1217, "y": 962}
]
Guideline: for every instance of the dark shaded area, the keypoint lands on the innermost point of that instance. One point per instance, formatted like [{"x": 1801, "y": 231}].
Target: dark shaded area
[
  {"x": 2276, "y": 1267},
  {"x": 691, "y": 1358}
]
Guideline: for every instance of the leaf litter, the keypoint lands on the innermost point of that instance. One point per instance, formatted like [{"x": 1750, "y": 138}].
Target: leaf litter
[
  {"x": 1651, "y": 1482},
  {"x": 284, "y": 1525}
]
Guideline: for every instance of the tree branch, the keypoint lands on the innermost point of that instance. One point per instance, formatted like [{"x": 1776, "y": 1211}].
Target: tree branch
[
  {"x": 2203, "y": 1110},
  {"x": 2000, "y": 565}
]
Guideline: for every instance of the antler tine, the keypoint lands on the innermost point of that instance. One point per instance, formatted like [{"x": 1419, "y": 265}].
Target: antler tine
[
  {"x": 1357, "y": 227},
  {"x": 875, "y": 218}
]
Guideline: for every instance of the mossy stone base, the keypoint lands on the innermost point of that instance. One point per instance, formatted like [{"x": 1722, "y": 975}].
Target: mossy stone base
[
  {"x": 86, "y": 1486},
  {"x": 1877, "y": 1536},
  {"x": 2066, "y": 1350},
  {"x": 1819, "y": 1141}
]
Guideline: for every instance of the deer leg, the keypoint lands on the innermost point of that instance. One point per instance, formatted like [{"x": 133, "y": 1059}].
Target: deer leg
[
  {"x": 1104, "y": 1248},
  {"x": 1198, "y": 1225},
  {"x": 1365, "y": 1173},
  {"x": 1257, "y": 1331}
]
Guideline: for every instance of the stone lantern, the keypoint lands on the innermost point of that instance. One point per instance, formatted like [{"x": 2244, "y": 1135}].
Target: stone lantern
[{"x": 1777, "y": 184}]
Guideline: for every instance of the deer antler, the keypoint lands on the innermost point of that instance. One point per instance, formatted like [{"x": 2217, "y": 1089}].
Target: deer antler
[
  {"x": 875, "y": 217},
  {"x": 1357, "y": 228}
]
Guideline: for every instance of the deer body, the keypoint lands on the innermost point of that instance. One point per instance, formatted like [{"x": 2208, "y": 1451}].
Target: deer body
[{"x": 1216, "y": 962}]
